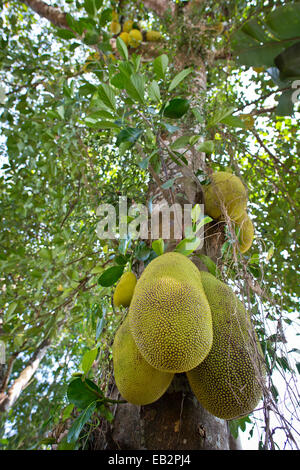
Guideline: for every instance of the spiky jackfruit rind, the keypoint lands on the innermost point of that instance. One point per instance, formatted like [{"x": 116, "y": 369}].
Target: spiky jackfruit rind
[
  {"x": 124, "y": 290},
  {"x": 169, "y": 315},
  {"x": 228, "y": 190},
  {"x": 127, "y": 26},
  {"x": 246, "y": 232},
  {"x": 135, "y": 38},
  {"x": 136, "y": 380},
  {"x": 228, "y": 382},
  {"x": 115, "y": 27}
]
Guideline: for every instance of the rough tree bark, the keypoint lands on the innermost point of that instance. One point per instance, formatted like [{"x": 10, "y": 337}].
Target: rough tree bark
[{"x": 52, "y": 14}]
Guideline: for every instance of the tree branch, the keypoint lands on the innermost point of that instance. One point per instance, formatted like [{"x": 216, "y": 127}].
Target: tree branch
[
  {"x": 7, "y": 400},
  {"x": 53, "y": 14}
]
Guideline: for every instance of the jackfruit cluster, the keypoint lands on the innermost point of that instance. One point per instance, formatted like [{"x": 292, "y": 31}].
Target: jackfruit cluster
[
  {"x": 184, "y": 320},
  {"x": 226, "y": 192},
  {"x": 130, "y": 32}
]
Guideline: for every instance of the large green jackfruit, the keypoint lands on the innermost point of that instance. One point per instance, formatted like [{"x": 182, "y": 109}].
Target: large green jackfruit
[
  {"x": 226, "y": 189},
  {"x": 169, "y": 315},
  {"x": 228, "y": 382},
  {"x": 124, "y": 290},
  {"x": 137, "y": 381}
]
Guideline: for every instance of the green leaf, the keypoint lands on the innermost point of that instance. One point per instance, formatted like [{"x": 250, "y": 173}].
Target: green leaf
[
  {"x": 187, "y": 246},
  {"x": 209, "y": 263},
  {"x": 160, "y": 65},
  {"x": 233, "y": 121},
  {"x": 67, "y": 411},
  {"x": 135, "y": 87},
  {"x": 285, "y": 104},
  {"x": 158, "y": 246},
  {"x": 179, "y": 77},
  {"x": 168, "y": 184},
  {"x": 100, "y": 124},
  {"x": 142, "y": 251},
  {"x": 65, "y": 34},
  {"x": 80, "y": 395},
  {"x": 196, "y": 212},
  {"x": 207, "y": 147},
  {"x": 79, "y": 422},
  {"x": 106, "y": 413},
  {"x": 285, "y": 21},
  {"x": 11, "y": 308},
  {"x": 122, "y": 48},
  {"x": 106, "y": 94},
  {"x": 89, "y": 6},
  {"x": 110, "y": 276},
  {"x": 154, "y": 92},
  {"x": 181, "y": 142},
  {"x": 221, "y": 113},
  {"x": 128, "y": 135},
  {"x": 88, "y": 360},
  {"x": 100, "y": 325},
  {"x": 176, "y": 108}
]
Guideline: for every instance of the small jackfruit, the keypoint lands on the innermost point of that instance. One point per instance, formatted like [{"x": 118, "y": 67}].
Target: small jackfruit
[
  {"x": 169, "y": 315},
  {"x": 125, "y": 37},
  {"x": 248, "y": 119},
  {"x": 227, "y": 383},
  {"x": 124, "y": 290},
  {"x": 137, "y": 381},
  {"x": 135, "y": 38},
  {"x": 258, "y": 69},
  {"x": 246, "y": 232},
  {"x": 127, "y": 26},
  {"x": 115, "y": 16},
  {"x": 115, "y": 27},
  {"x": 219, "y": 28},
  {"x": 153, "y": 36},
  {"x": 226, "y": 189}
]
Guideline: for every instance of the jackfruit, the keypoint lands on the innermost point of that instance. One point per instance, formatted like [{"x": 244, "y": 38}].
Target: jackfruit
[
  {"x": 115, "y": 16},
  {"x": 127, "y": 26},
  {"x": 258, "y": 69},
  {"x": 115, "y": 27},
  {"x": 135, "y": 38},
  {"x": 226, "y": 189},
  {"x": 136, "y": 380},
  {"x": 248, "y": 119},
  {"x": 169, "y": 315},
  {"x": 153, "y": 36},
  {"x": 124, "y": 290},
  {"x": 227, "y": 382},
  {"x": 246, "y": 232},
  {"x": 125, "y": 37}
]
